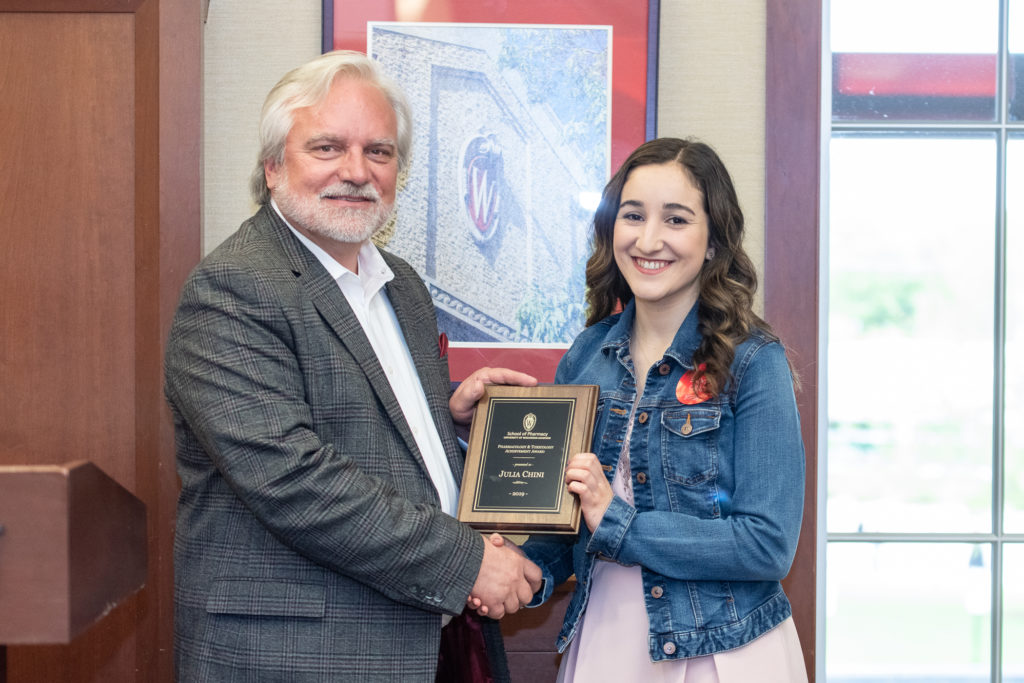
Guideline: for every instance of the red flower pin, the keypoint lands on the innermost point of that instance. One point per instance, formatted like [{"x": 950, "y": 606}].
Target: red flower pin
[{"x": 685, "y": 391}]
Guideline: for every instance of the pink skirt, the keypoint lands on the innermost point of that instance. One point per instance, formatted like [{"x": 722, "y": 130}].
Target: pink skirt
[{"x": 611, "y": 643}]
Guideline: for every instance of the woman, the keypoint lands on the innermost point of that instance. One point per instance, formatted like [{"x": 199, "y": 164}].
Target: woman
[{"x": 692, "y": 498}]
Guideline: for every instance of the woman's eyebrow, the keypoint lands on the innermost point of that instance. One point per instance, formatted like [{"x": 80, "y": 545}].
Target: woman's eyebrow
[{"x": 672, "y": 206}]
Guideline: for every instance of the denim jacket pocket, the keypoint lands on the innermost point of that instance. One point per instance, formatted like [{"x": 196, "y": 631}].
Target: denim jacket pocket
[{"x": 688, "y": 443}]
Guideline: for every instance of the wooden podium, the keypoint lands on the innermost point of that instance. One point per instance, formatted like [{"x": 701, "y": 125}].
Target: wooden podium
[{"x": 72, "y": 546}]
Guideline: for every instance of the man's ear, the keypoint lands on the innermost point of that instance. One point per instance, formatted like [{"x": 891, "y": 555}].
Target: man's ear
[{"x": 272, "y": 172}]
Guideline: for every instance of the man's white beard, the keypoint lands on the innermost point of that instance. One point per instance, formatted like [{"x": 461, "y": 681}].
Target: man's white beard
[{"x": 339, "y": 223}]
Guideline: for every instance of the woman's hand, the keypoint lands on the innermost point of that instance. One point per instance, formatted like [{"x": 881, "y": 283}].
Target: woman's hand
[{"x": 586, "y": 479}]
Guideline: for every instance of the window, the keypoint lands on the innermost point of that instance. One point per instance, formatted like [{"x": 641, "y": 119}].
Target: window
[{"x": 925, "y": 341}]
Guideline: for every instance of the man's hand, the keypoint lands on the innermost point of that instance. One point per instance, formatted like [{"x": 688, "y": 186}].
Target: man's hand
[
  {"x": 471, "y": 390},
  {"x": 507, "y": 579}
]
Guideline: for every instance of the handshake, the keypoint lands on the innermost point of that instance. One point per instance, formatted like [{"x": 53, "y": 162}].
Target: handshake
[{"x": 507, "y": 579}]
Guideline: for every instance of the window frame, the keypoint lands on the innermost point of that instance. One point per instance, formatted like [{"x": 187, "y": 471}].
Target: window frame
[{"x": 788, "y": 176}]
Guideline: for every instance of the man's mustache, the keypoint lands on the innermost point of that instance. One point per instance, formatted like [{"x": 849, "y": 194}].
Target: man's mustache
[{"x": 346, "y": 189}]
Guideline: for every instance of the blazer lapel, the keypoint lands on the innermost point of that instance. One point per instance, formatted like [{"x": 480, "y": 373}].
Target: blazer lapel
[
  {"x": 334, "y": 309},
  {"x": 420, "y": 332}
]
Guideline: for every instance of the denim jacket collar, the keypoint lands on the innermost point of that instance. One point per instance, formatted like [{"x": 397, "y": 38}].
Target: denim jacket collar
[{"x": 681, "y": 350}]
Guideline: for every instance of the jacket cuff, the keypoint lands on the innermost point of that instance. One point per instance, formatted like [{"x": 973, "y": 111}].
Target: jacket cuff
[
  {"x": 609, "y": 534},
  {"x": 547, "y": 587},
  {"x": 468, "y": 547}
]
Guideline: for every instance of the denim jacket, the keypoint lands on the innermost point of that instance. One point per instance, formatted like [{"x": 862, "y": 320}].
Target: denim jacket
[{"x": 718, "y": 491}]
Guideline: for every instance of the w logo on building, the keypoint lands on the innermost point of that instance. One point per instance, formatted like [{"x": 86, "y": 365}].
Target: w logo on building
[{"x": 483, "y": 179}]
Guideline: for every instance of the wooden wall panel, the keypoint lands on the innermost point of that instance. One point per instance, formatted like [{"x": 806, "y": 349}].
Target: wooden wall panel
[
  {"x": 67, "y": 184},
  {"x": 792, "y": 180},
  {"x": 100, "y": 223},
  {"x": 168, "y": 233}
]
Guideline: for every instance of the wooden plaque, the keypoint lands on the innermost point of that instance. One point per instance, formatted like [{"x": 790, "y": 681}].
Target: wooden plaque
[{"x": 520, "y": 442}]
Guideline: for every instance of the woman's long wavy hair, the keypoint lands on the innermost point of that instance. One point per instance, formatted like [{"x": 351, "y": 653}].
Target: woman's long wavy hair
[{"x": 727, "y": 281}]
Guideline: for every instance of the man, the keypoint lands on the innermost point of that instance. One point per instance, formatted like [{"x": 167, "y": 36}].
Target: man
[{"x": 318, "y": 459}]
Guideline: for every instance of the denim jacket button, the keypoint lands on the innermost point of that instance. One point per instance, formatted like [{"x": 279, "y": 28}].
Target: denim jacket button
[
  {"x": 642, "y": 418},
  {"x": 669, "y": 648},
  {"x": 641, "y": 478},
  {"x": 664, "y": 369},
  {"x": 657, "y": 591}
]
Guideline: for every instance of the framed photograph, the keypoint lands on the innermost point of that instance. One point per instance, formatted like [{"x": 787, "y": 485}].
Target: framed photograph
[{"x": 521, "y": 112}]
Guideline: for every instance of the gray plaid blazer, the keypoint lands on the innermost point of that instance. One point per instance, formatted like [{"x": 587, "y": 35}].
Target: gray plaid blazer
[{"x": 310, "y": 545}]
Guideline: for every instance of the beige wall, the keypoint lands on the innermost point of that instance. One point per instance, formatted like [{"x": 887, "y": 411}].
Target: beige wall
[
  {"x": 710, "y": 85},
  {"x": 247, "y": 47}
]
